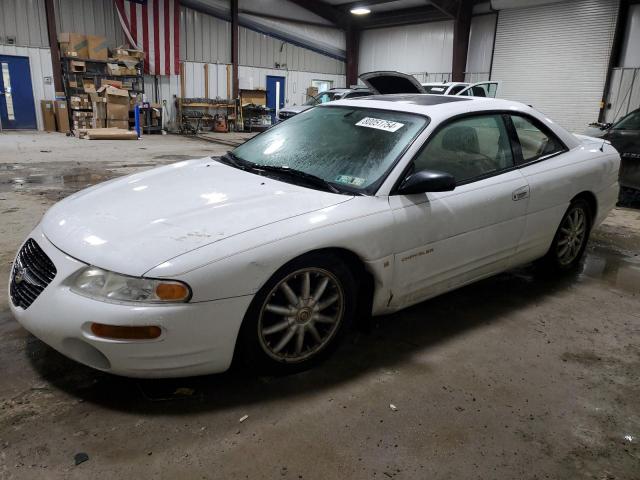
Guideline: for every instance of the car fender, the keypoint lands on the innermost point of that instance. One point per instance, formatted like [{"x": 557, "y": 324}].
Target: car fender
[{"x": 241, "y": 265}]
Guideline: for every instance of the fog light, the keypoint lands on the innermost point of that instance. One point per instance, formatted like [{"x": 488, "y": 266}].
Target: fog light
[{"x": 117, "y": 332}]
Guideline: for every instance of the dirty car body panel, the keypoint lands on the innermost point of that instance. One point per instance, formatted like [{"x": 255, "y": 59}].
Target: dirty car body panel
[{"x": 224, "y": 231}]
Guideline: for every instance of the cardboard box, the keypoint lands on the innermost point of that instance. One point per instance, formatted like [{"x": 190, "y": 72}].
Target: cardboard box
[
  {"x": 107, "y": 134},
  {"x": 127, "y": 53},
  {"x": 124, "y": 124},
  {"x": 99, "y": 106},
  {"x": 78, "y": 66},
  {"x": 88, "y": 85},
  {"x": 113, "y": 69},
  {"x": 71, "y": 43},
  {"x": 98, "y": 48},
  {"x": 116, "y": 111},
  {"x": 48, "y": 115},
  {"x": 62, "y": 116},
  {"x": 113, "y": 83},
  {"x": 79, "y": 102}
]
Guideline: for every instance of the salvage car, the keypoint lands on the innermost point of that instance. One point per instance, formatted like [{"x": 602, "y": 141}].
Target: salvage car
[
  {"x": 487, "y": 89},
  {"x": 388, "y": 82},
  {"x": 624, "y": 135},
  {"x": 269, "y": 253},
  {"x": 322, "y": 98}
]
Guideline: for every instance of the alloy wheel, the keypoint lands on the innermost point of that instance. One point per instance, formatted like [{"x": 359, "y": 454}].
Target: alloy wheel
[
  {"x": 573, "y": 233},
  {"x": 301, "y": 315}
]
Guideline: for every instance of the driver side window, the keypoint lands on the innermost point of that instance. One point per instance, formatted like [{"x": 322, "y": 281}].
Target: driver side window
[{"x": 468, "y": 148}]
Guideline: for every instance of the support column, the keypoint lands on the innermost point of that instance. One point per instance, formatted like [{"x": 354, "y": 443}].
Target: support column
[
  {"x": 234, "y": 46},
  {"x": 53, "y": 45},
  {"x": 353, "y": 52},
  {"x": 461, "y": 29}
]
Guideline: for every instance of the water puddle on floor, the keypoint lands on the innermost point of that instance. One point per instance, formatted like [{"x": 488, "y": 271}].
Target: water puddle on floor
[{"x": 618, "y": 270}]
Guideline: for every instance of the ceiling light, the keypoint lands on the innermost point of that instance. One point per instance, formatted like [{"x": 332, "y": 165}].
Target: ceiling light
[{"x": 360, "y": 10}]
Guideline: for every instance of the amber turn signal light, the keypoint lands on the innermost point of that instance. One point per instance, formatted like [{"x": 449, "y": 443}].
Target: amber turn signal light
[
  {"x": 173, "y": 292},
  {"x": 117, "y": 332}
]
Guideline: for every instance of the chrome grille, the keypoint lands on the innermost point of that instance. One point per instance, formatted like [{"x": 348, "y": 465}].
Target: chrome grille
[{"x": 32, "y": 271}]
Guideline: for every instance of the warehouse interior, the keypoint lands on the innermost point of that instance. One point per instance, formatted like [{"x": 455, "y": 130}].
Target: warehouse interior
[{"x": 520, "y": 375}]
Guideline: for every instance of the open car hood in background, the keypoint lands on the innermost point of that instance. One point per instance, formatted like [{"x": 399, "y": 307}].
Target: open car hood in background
[{"x": 384, "y": 83}]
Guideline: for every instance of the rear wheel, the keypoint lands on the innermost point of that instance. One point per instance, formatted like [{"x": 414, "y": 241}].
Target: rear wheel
[
  {"x": 571, "y": 238},
  {"x": 299, "y": 316}
]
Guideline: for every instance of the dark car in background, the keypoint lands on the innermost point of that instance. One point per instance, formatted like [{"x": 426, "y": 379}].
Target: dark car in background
[{"x": 624, "y": 135}]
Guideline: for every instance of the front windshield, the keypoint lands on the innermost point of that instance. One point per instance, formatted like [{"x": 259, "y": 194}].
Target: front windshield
[
  {"x": 351, "y": 148},
  {"x": 324, "y": 97},
  {"x": 630, "y": 122}
]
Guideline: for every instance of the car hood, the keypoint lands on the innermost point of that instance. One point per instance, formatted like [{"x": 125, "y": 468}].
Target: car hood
[
  {"x": 389, "y": 82},
  {"x": 131, "y": 224}
]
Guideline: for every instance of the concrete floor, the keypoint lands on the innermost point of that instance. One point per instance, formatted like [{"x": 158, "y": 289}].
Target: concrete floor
[{"x": 515, "y": 377}]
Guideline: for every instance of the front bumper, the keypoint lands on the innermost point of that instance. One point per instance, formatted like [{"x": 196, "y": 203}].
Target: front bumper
[{"x": 197, "y": 338}]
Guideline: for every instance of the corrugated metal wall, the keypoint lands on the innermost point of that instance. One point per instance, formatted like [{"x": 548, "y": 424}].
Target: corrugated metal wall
[
  {"x": 555, "y": 57},
  {"x": 425, "y": 47},
  {"x": 95, "y": 17},
  {"x": 26, "y": 21},
  {"x": 41, "y": 69},
  {"x": 204, "y": 38},
  {"x": 259, "y": 50}
]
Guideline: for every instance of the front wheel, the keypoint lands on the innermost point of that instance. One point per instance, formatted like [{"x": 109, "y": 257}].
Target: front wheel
[
  {"x": 571, "y": 238},
  {"x": 299, "y": 316}
]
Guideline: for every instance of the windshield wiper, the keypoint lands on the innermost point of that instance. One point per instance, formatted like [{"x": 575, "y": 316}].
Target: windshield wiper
[
  {"x": 307, "y": 177},
  {"x": 231, "y": 159}
]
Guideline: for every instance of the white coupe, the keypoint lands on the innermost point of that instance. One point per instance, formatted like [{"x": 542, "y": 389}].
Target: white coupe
[{"x": 268, "y": 253}]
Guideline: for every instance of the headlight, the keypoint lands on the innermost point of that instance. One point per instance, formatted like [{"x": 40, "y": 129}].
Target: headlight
[{"x": 104, "y": 285}]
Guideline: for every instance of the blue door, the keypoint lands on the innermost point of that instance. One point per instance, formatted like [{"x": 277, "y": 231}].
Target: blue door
[
  {"x": 17, "y": 109},
  {"x": 272, "y": 80}
]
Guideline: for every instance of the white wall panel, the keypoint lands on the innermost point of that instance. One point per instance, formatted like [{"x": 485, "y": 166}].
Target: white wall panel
[
  {"x": 40, "y": 67},
  {"x": 259, "y": 50},
  {"x": 93, "y": 17},
  {"x": 630, "y": 55},
  {"x": 483, "y": 30},
  {"x": 425, "y": 47},
  {"x": 204, "y": 38},
  {"x": 26, "y": 21},
  {"x": 555, "y": 57},
  {"x": 327, "y": 39}
]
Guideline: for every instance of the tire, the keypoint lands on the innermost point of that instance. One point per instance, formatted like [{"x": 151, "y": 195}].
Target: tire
[
  {"x": 571, "y": 238},
  {"x": 299, "y": 317}
]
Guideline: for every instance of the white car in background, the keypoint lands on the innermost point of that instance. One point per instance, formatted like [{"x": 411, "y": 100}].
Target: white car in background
[
  {"x": 389, "y": 82},
  {"x": 267, "y": 254}
]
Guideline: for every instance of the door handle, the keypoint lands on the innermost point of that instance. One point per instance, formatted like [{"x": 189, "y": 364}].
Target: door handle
[{"x": 520, "y": 193}]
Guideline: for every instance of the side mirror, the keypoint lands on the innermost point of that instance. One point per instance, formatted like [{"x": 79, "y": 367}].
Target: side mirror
[
  {"x": 606, "y": 126},
  {"x": 427, "y": 181}
]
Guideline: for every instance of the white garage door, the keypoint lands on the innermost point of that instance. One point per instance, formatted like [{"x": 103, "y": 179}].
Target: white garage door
[{"x": 555, "y": 58}]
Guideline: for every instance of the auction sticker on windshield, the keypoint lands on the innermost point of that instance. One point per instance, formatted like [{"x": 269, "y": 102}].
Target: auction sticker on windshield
[{"x": 379, "y": 124}]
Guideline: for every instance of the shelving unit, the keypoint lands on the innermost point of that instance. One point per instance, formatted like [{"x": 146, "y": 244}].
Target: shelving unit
[
  {"x": 97, "y": 70},
  {"x": 204, "y": 106}
]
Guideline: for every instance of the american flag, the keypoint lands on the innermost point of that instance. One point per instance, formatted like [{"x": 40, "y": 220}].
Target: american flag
[{"x": 152, "y": 26}]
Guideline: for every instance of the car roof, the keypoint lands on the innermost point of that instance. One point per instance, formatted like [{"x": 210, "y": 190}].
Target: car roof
[
  {"x": 442, "y": 107},
  {"x": 443, "y": 84},
  {"x": 341, "y": 90}
]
